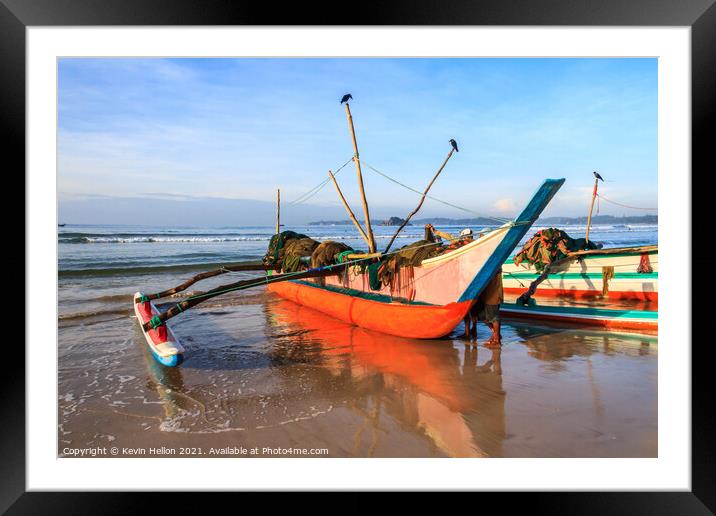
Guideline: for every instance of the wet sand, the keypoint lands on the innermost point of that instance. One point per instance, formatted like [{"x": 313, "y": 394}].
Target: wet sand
[{"x": 262, "y": 372}]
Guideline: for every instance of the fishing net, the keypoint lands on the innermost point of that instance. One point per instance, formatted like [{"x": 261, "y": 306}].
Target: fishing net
[
  {"x": 328, "y": 252},
  {"x": 550, "y": 245},
  {"x": 300, "y": 247},
  {"x": 286, "y": 249},
  {"x": 407, "y": 256}
]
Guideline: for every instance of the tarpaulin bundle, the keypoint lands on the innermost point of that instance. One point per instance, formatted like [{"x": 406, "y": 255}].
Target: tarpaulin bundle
[
  {"x": 549, "y": 245},
  {"x": 328, "y": 252}
]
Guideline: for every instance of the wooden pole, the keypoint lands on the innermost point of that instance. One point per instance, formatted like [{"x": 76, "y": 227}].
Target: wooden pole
[
  {"x": 348, "y": 209},
  {"x": 363, "y": 256},
  {"x": 589, "y": 219},
  {"x": 422, "y": 200},
  {"x": 356, "y": 159},
  {"x": 239, "y": 285},
  {"x": 278, "y": 211},
  {"x": 209, "y": 274}
]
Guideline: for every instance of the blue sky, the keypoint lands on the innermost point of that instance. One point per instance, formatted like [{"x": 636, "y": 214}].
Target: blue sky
[{"x": 193, "y": 130}]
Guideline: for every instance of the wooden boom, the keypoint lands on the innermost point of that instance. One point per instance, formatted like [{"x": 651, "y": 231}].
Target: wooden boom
[
  {"x": 239, "y": 285},
  {"x": 205, "y": 275}
]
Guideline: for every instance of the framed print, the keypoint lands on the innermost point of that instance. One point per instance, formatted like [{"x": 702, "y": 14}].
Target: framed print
[{"x": 417, "y": 252}]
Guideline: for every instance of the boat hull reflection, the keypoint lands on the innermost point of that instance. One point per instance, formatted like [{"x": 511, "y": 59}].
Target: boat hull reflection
[{"x": 440, "y": 391}]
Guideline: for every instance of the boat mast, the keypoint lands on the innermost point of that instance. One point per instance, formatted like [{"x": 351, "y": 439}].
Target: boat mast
[
  {"x": 348, "y": 209},
  {"x": 597, "y": 178},
  {"x": 278, "y": 211},
  {"x": 356, "y": 159},
  {"x": 422, "y": 200}
]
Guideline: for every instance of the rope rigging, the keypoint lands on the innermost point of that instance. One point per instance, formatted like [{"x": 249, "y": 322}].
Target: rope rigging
[
  {"x": 600, "y": 196},
  {"x": 313, "y": 191},
  {"x": 386, "y": 176}
]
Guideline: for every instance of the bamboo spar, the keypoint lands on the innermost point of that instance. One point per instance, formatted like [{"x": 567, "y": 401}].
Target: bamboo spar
[
  {"x": 589, "y": 219},
  {"x": 209, "y": 274},
  {"x": 182, "y": 306},
  {"x": 356, "y": 159},
  {"x": 278, "y": 211},
  {"x": 348, "y": 209},
  {"x": 422, "y": 200}
]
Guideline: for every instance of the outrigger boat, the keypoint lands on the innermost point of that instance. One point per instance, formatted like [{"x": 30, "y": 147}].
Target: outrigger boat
[
  {"x": 601, "y": 288},
  {"x": 427, "y": 300},
  {"x": 582, "y": 275},
  {"x": 609, "y": 288},
  {"x": 439, "y": 294}
]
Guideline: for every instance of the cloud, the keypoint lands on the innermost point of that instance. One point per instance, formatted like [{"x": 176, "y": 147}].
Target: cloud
[
  {"x": 240, "y": 128},
  {"x": 507, "y": 205}
]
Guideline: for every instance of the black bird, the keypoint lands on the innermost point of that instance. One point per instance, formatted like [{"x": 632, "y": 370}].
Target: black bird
[
  {"x": 596, "y": 174},
  {"x": 454, "y": 144},
  {"x": 346, "y": 97}
]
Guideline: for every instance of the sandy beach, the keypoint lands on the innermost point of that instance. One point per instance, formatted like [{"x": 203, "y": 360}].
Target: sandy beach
[{"x": 266, "y": 377}]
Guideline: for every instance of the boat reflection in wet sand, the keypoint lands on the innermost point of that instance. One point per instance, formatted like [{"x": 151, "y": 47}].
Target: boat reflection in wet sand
[
  {"x": 314, "y": 380},
  {"x": 458, "y": 404},
  {"x": 567, "y": 393}
]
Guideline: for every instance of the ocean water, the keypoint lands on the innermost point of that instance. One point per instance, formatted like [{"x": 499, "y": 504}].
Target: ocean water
[
  {"x": 122, "y": 250},
  {"x": 261, "y": 371}
]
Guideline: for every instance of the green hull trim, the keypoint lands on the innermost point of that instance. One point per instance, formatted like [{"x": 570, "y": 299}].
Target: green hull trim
[
  {"x": 381, "y": 298},
  {"x": 586, "y": 275},
  {"x": 606, "y": 313}
]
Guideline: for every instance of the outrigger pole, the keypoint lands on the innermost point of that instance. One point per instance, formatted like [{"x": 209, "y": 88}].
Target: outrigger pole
[
  {"x": 178, "y": 308},
  {"x": 205, "y": 275},
  {"x": 422, "y": 200}
]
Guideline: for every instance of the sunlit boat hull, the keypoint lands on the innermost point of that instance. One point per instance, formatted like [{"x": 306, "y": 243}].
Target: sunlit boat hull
[
  {"x": 582, "y": 275},
  {"x": 574, "y": 291},
  {"x": 597, "y": 316},
  {"x": 428, "y": 300}
]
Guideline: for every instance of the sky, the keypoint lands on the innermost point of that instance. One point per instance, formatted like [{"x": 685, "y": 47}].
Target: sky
[{"x": 202, "y": 141}]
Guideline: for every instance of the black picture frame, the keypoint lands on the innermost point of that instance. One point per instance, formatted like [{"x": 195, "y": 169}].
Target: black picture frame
[{"x": 699, "y": 15}]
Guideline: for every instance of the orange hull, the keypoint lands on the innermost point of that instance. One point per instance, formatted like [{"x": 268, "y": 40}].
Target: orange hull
[{"x": 403, "y": 320}]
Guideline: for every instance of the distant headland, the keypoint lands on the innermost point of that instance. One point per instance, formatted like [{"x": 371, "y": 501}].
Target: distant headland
[{"x": 484, "y": 221}]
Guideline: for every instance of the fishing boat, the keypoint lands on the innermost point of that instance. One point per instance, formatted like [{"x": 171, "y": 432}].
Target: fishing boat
[
  {"x": 434, "y": 297},
  {"x": 425, "y": 299},
  {"x": 609, "y": 288},
  {"x": 587, "y": 275}
]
